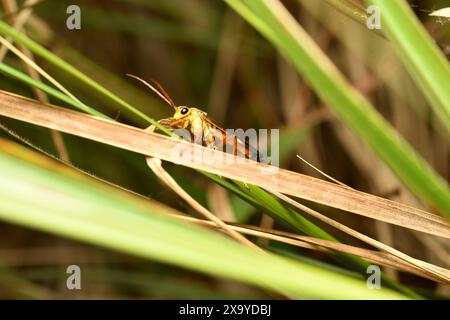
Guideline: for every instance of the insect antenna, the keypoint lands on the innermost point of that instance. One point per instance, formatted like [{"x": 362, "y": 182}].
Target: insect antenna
[{"x": 159, "y": 90}]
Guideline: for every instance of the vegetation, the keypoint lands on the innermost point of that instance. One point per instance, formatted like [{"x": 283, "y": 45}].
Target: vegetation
[{"x": 368, "y": 108}]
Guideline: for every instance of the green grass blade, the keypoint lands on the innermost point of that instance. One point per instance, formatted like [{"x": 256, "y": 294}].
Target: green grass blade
[
  {"x": 274, "y": 22},
  {"x": 49, "y": 90},
  {"x": 424, "y": 60}
]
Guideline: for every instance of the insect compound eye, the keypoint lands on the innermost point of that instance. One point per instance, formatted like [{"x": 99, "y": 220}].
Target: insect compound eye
[{"x": 184, "y": 110}]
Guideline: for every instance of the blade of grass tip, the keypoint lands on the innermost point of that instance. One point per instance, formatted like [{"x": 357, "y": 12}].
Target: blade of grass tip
[
  {"x": 55, "y": 60},
  {"x": 445, "y": 13},
  {"x": 275, "y": 22},
  {"x": 9, "y": 71},
  {"x": 323, "y": 173},
  {"x": 422, "y": 57}
]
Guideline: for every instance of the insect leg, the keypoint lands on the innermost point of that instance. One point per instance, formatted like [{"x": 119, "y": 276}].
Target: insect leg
[{"x": 171, "y": 123}]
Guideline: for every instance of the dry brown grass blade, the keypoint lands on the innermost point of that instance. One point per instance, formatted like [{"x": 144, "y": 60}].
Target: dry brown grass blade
[
  {"x": 427, "y": 268},
  {"x": 381, "y": 258},
  {"x": 225, "y": 165}
]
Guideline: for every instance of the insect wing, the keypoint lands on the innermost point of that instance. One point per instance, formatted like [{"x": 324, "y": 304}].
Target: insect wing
[{"x": 226, "y": 141}]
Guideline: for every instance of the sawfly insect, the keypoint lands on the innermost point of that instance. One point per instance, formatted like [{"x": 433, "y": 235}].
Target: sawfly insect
[{"x": 203, "y": 130}]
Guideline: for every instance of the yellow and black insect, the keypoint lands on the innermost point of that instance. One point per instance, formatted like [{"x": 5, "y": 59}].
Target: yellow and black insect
[{"x": 202, "y": 129}]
